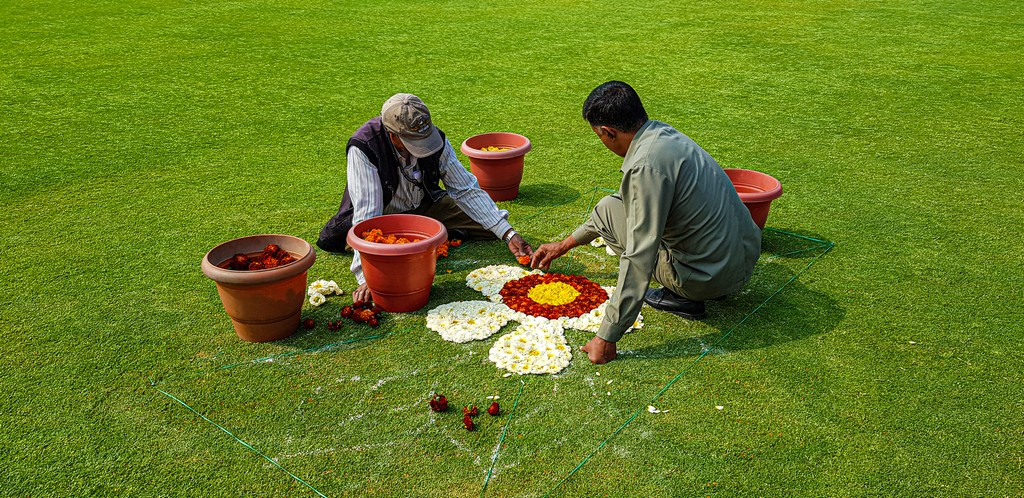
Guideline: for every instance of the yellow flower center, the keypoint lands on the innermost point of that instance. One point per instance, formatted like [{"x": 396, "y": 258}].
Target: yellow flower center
[{"x": 553, "y": 294}]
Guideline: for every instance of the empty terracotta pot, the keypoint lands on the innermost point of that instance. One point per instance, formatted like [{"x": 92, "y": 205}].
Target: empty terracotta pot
[
  {"x": 498, "y": 172},
  {"x": 399, "y": 276},
  {"x": 757, "y": 191},
  {"x": 264, "y": 305}
]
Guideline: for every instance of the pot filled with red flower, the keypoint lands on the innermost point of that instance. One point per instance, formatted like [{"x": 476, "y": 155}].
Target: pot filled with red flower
[
  {"x": 496, "y": 160},
  {"x": 757, "y": 191},
  {"x": 261, "y": 280},
  {"x": 399, "y": 257}
]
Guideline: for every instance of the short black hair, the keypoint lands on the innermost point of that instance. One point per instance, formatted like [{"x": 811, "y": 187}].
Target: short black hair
[{"x": 615, "y": 104}]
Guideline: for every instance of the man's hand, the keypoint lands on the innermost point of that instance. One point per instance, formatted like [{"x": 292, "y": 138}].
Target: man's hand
[
  {"x": 519, "y": 247},
  {"x": 362, "y": 293},
  {"x": 547, "y": 253},
  {"x": 599, "y": 350}
]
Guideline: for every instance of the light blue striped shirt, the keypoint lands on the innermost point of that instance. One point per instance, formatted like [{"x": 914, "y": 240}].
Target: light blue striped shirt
[{"x": 368, "y": 198}]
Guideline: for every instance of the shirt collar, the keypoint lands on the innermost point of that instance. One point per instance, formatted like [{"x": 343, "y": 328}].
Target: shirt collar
[{"x": 633, "y": 143}]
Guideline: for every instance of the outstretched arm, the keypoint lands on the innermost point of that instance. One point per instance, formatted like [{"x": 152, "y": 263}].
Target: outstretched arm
[{"x": 547, "y": 253}]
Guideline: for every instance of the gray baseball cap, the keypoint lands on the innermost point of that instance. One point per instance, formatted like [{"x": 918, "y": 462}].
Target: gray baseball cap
[{"x": 405, "y": 115}]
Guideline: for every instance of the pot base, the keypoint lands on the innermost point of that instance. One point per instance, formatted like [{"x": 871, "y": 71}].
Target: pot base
[{"x": 264, "y": 313}]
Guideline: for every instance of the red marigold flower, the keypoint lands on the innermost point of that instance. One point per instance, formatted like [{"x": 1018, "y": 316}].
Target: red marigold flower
[
  {"x": 563, "y": 295},
  {"x": 494, "y": 409},
  {"x": 468, "y": 422},
  {"x": 438, "y": 403}
]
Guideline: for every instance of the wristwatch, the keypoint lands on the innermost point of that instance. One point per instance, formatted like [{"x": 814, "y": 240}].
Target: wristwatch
[{"x": 508, "y": 235}]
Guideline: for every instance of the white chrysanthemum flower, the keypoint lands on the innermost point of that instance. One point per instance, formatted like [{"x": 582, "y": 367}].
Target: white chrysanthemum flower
[
  {"x": 490, "y": 279},
  {"x": 331, "y": 287},
  {"x": 537, "y": 346},
  {"x": 324, "y": 287},
  {"x": 316, "y": 299},
  {"x": 466, "y": 321},
  {"x": 317, "y": 287},
  {"x": 598, "y": 242}
]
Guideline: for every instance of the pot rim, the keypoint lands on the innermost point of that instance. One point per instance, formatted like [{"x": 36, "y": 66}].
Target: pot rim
[
  {"x": 430, "y": 242},
  {"x": 505, "y": 154},
  {"x": 256, "y": 277},
  {"x": 769, "y": 192}
]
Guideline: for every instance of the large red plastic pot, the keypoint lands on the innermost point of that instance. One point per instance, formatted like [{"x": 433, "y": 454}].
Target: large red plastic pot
[
  {"x": 499, "y": 172},
  {"x": 399, "y": 276},
  {"x": 757, "y": 191},
  {"x": 264, "y": 305}
]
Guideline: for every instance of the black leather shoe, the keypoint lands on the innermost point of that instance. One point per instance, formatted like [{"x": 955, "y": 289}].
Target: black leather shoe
[{"x": 665, "y": 300}]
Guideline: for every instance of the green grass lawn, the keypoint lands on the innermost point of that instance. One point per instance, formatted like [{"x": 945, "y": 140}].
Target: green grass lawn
[{"x": 136, "y": 136}]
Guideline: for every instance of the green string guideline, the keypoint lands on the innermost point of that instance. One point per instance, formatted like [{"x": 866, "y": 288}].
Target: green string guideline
[
  {"x": 317, "y": 349},
  {"x": 826, "y": 245},
  {"x": 497, "y": 449},
  {"x": 567, "y": 263},
  {"x": 243, "y": 443}
]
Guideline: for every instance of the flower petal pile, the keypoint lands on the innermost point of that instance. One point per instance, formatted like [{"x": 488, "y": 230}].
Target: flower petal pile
[
  {"x": 553, "y": 296},
  {"x": 537, "y": 346},
  {"x": 490, "y": 279},
  {"x": 466, "y": 321}
]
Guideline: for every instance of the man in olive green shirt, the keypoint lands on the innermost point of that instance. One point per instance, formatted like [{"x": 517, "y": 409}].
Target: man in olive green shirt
[{"x": 676, "y": 218}]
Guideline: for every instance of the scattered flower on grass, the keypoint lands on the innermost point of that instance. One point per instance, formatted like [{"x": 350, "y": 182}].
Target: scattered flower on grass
[
  {"x": 438, "y": 403},
  {"x": 317, "y": 299},
  {"x": 320, "y": 289}
]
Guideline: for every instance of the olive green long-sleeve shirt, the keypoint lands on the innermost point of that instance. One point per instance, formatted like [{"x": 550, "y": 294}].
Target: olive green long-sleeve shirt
[{"x": 680, "y": 206}]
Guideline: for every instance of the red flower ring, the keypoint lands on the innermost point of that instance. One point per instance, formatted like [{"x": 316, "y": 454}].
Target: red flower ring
[{"x": 516, "y": 295}]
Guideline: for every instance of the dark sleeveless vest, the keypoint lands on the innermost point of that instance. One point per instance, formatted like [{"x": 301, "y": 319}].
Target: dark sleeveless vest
[{"x": 372, "y": 139}]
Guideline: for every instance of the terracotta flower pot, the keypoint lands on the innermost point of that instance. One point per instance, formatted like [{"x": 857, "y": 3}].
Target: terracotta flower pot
[
  {"x": 399, "y": 276},
  {"x": 757, "y": 191},
  {"x": 500, "y": 172},
  {"x": 264, "y": 305}
]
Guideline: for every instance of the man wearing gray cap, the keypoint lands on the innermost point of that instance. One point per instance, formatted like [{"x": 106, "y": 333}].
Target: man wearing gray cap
[{"x": 396, "y": 162}]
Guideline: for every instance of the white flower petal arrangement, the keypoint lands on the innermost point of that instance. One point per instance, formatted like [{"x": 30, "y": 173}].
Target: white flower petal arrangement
[
  {"x": 466, "y": 321},
  {"x": 490, "y": 279},
  {"x": 537, "y": 346}
]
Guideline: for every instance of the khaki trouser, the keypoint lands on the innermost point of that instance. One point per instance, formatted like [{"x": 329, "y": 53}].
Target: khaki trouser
[
  {"x": 609, "y": 216},
  {"x": 453, "y": 217}
]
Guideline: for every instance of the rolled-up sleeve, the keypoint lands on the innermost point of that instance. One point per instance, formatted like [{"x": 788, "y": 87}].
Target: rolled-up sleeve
[
  {"x": 465, "y": 190},
  {"x": 367, "y": 197},
  {"x": 647, "y": 199}
]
